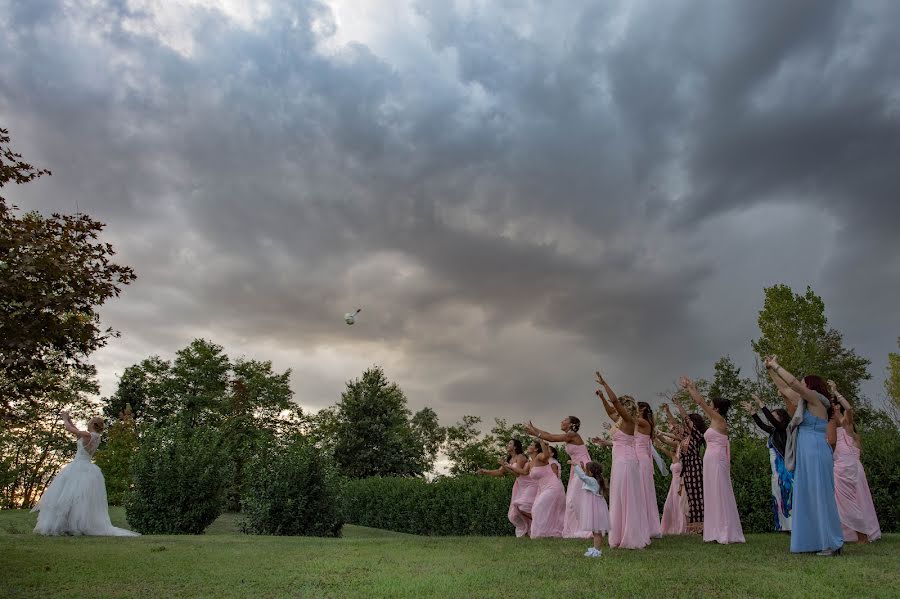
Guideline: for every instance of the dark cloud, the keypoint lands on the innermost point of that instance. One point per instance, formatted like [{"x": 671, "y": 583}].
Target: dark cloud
[{"x": 514, "y": 193}]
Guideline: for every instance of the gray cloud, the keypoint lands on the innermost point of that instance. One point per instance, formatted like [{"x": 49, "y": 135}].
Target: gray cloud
[{"x": 537, "y": 190}]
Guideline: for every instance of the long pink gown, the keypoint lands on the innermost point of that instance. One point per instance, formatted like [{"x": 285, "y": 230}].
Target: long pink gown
[
  {"x": 523, "y": 492},
  {"x": 851, "y": 489},
  {"x": 628, "y": 524},
  {"x": 642, "y": 448},
  {"x": 576, "y": 499},
  {"x": 721, "y": 521},
  {"x": 548, "y": 512},
  {"x": 675, "y": 512}
]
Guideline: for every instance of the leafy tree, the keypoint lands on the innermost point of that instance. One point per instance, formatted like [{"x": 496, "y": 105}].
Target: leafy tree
[
  {"x": 794, "y": 328},
  {"x": 114, "y": 458},
  {"x": 54, "y": 274},
  {"x": 199, "y": 382},
  {"x": 145, "y": 388},
  {"x": 892, "y": 383},
  {"x": 467, "y": 449},
  {"x": 36, "y": 445},
  {"x": 728, "y": 384},
  {"x": 374, "y": 436},
  {"x": 429, "y": 434}
]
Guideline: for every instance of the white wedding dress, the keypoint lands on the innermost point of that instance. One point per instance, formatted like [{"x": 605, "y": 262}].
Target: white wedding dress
[{"x": 75, "y": 502}]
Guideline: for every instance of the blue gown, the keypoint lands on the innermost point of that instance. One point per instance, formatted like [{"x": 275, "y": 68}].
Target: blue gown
[{"x": 815, "y": 525}]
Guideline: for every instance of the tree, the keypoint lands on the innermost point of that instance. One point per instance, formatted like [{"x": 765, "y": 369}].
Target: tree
[
  {"x": 374, "y": 436},
  {"x": 892, "y": 383},
  {"x": 794, "y": 328},
  {"x": 728, "y": 384},
  {"x": 114, "y": 459},
  {"x": 199, "y": 382},
  {"x": 35, "y": 446},
  {"x": 55, "y": 274},
  {"x": 467, "y": 449},
  {"x": 145, "y": 388},
  {"x": 429, "y": 434}
]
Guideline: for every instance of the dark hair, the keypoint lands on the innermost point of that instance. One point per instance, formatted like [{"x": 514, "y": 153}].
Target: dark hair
[
  {"x": 783, "y": 416},
  {"x": 698, "y": 422},
  {"x": 817, "y": 384},
  {"x": 517, "y": 447},
  {"x": 646, "y": 413},
  {"x": 595, "y": 469},
  {"x": 722, "y": 406},
  {"x": 553, "y": 451},
  {"x": 574, "y": 423}
]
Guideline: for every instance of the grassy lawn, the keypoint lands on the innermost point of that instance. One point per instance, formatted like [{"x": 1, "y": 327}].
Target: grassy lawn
[{"x": 372, "y": 563}]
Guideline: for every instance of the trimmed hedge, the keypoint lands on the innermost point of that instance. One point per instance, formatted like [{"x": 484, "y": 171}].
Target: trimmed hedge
[
  {"x": 477, "y": 505},
  {"x": 464, "y": 505},
  {"x": 291, "y": 489}
]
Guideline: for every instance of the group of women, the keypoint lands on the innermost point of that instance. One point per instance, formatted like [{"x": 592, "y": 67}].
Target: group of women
[{"x": 819, "y": 489}]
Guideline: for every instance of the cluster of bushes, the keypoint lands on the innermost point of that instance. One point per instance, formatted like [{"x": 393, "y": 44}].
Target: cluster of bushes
[{"x": 181, "y": 475}]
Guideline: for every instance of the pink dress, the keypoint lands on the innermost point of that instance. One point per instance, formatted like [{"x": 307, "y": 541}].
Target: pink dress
[
  {"x": 523, "y": 492},
  {"x": 851, "y": 489},
  {"x": 642, "y": 448},
  {"x": 549, "y": 510},
  {"x": 675, "y": 512},
  {"x": 628, "y": 526},
  {"x": 721, "y": 522},
  {"x": 576, "y": 499}
]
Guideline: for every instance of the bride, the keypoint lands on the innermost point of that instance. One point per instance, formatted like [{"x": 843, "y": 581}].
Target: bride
[{"x": 75, "y": 502}]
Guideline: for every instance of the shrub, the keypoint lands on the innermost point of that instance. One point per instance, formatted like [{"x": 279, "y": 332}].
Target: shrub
[
  {"x": 179, "y": 478},
  {"x": 291, "y": 489},
  {"x": 463, "y": 505}
]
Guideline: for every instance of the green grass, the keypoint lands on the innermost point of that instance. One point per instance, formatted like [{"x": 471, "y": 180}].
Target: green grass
[{"x": 371, "y": 563}]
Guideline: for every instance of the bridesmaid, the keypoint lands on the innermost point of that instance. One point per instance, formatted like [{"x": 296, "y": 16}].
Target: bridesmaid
[
  {"x": 517, "y": 463},
  {"x": 628, "y": 526},
  {"x": 815, "y": 523},
  {"x": 643, "y": 440},
  {"x": 721, "y": 521},
  {"x": 782, "y": 484},
  {"x": 549, "y": 510},
  {"x": 575, "y": 497},
  {"x": 854, "y": 500},
  {"x": 692, "y": 464},
  {"x": 675, "y": 511}
]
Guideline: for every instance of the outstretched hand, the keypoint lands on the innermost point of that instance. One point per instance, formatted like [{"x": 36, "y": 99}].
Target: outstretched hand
[
  {"x": 599, "y": 378},
  {"x": 748, "y": 407}
]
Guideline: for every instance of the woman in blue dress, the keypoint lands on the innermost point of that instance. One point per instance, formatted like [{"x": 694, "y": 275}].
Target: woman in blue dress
[{"x": 816, "y": 525}]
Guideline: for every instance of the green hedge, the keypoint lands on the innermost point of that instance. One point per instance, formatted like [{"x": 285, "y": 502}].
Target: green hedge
[
  {"x": 463, "y": 505},
  {"x": 291, "y": 489},
  {"x": 477, "y": 505}
]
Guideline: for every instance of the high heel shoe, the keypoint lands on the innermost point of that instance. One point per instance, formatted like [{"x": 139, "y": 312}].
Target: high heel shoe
[{"x": 831, "y": 552}]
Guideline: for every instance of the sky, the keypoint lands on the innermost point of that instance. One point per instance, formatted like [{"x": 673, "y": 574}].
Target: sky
[{"x": 515, "y": 192}]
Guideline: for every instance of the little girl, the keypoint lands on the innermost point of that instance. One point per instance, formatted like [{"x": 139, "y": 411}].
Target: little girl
[{"x": 594, "y": 514}]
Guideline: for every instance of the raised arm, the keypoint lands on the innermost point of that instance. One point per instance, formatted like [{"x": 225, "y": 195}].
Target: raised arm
[
  {"x": 715, "y": 419},
  {"x": 683, "y": 413},
  {"x": 792, "y": 382},
  {"x": 67, "y": 422},
  {"x": 553, "y": 438},
  {"x": 754, "y": 413},
  {"x": 620, "y": 409},
  {"x": 668, "y": 439},
  {"x": 849, "y": 415},
  {"x": 791, "y": 397},
  {"x": 669, "y": 418},
  {"x": 610, "y": 410}
]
